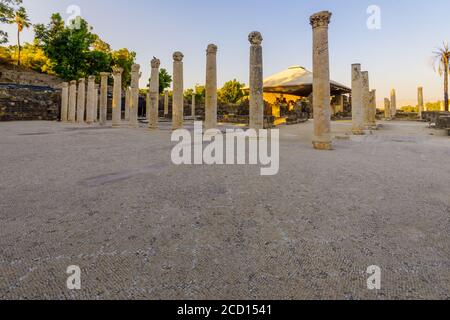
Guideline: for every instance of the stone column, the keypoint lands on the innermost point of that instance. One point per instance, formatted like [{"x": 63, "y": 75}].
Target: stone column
[
  {"x": 256, "y": 81},
  {"x": 72, "y": 101},
  {"x": 366, "y": 97},
  {"x": 420, "y": 101},
  {"x": 393, "y": 103},
  {"x": 64, "y": 101},
  {"x": 387, "y": 109},
  {"x": 357, "y": 101},
  {"x": 340, "y": 104},
  {"x": 90, "y": 100},
  {"x": 211, "y": 88},
  {"x": 153, "y": 113},
  {"x": 81, "y": 100},
  {"x": 117, "y": 97},
  {"x": 178, "y": 87},
  {"x": 166, "y": 103},
  {"x": 193, "y": 106},
  {"x": 134, "y": 95},
  {"x": 127, "y": 103},
  {"x": 96, "y": 103},
  {"x": 373, "y": 109},
  {"x": 103, "y": 97},
  {"x": 321, "y": 81}
]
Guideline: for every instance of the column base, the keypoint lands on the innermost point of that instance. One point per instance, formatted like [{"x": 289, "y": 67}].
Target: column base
[
  {"x": 358, "y": 132},
  {"x": 321, "y": 145}
]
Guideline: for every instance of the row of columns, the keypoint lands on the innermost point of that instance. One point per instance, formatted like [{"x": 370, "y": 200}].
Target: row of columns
[{"x": 364, "y": 102}]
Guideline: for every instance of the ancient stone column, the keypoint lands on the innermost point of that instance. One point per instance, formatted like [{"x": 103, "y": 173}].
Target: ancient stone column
[
  {"x": 90, "y": 105},
  {"x": 127, "y": 103},
  {"x": 387, "y": 109},
  {"x": 340, "y": 104},
  {"x": 117, "y": 97},
  {"x": 193, "y": 106},
  {"x": 211, "y": 88},
  {"x": 64, "y": 101},
  {"x": 153, "y": 93},
  {"x": 72, "y": 101},
  {"x": 134, "y": 95},
  {"x": 366, "y": 97},
  {"x": 166, "y": 103},
  {"x": 81, "y": 100},
  {"x": 96, "y": 103},
  {"x": 256, "y": 81},
  {"x": 321, "y": 81},
  {"x": 420, "y": 101},
  {"x": 103, "y": 97},
  {"x": 357, "y": 101},
  {"x": 393, "y": 103},
  {"x": 178, "y": 87},
  {"x": 373, "y": 109}
]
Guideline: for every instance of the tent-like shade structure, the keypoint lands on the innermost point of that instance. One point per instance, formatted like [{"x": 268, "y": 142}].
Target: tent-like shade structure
[{"x": 298, "y": 81}]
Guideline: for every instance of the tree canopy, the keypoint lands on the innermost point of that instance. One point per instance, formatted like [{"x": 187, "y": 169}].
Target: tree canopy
[{"x": 7, "y": 16}]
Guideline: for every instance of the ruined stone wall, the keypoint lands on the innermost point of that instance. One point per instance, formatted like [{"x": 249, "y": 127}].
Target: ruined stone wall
[
  {"x": 17, "y": 75},
  {"x": 28, "y": 103}
]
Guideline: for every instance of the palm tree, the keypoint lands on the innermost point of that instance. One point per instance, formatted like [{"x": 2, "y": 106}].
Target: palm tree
[
  {"x": 22, "y": 21},
  {"x": 441, "y": 64}
]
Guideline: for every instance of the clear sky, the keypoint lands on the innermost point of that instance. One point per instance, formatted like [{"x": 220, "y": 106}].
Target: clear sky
[{"x": 398, "y": 55}]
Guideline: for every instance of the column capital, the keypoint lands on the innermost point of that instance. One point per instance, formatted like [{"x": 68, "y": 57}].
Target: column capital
[
  {"x": 104, "y": 74},
  {"x": 178, "y": 56},
  {"x": 212, "y": 49},
  {"x": 155, "y": 63},
  {"x": 135, "y": 68},
  {"x": 82, "y": 80},
  {"x": 320, "y": 19},
  {"x": 73, "y": 82},
  {"x": 117, "y": 70},
  {"x": 255, "y": 38},
  {"x": 65, "y": 84},
  {"x": 91, "y": 78}
]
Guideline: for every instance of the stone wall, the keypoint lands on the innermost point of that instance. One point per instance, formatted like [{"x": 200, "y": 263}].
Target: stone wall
[
  {"x": 28, "y": 103},
  {"x": 13, "y": 74}
]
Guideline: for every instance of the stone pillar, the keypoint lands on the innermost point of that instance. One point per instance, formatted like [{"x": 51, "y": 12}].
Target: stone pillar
[
  {"x": 96, "y": 103},
  {"x": 134, "y": 95},
  {"x": 256, "y": 81},
  {"x": 81, "y": 100},
  {"x": 387, "y": 109},
  {"x": 321, "y": 81},
  {"x": 393, "y": 103},
  {"x": 64, "y": 101},
  {"x": 103, "y": 97},
  {"x": 153, "y": 95},
  {"x": 357, "y": 101},
  {"x": 117, "y": 97},
  {"x": 127, "y": 103},
  {"x": 166, "y": 103},
  {"x": 90, "y": 100},
  {"x": 178, "y": 87},
  {"x": 72, "y": 101},
  {"x": 193, "y": 106},
  {"x": 211, "y": 88},
  {"x": 340, "y": 104},
  {"x": 373, "y": 109},
  {"x": 420, "y": 101},
  {"x": 366, "y": 97}
]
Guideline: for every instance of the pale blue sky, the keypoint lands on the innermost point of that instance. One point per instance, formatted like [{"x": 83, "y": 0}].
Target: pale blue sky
[{"x": 398, "y": 55}]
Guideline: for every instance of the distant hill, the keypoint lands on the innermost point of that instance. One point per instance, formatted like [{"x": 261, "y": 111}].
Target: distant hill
[{"x": 10, "y": 73}]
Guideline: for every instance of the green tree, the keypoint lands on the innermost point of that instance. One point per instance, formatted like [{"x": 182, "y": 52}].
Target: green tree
[
  {"x": 22, "y": 21},
  {"x": 165, "y": 80},
  {"x": 32, "y": 57},
  {"x": 441, "y": 64},
  {"x": 68, "y": 47},
  {"x": 7, "y": 16},
  {"x": 199, "y": 92},
  {"x": 232, "y": 92}
]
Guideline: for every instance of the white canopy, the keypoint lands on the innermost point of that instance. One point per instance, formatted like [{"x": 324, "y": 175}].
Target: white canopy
[{"x": 298, "y": 81}]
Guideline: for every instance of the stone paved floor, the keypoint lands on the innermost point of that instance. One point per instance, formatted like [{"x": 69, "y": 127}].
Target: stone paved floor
[{"x": 111, "y": 202}]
